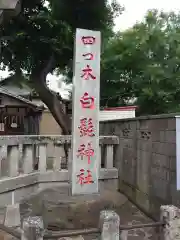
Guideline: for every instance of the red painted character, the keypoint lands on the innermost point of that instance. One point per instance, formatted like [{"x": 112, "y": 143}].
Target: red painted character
[
  {"x": 88, "y": 40},
  {"x": 87, "y": 101},
  {"x": 88, "y": 178},
  {"x": 82, "y": 179},
  {"x": 85, "y": 152},
  {"x": 87, "y": 73},
  {"x": 86, "y": 127},
  {"x": 89, "y": 56}
]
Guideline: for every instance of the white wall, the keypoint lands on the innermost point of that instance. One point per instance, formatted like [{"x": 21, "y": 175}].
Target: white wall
[{"x": 112, "y": 115}]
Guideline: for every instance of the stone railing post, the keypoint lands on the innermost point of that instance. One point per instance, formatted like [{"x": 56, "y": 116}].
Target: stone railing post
[
  {"x": 171, "y": 216},
  {"x": 28, "y": 158},
  {"x": 109, "y": 156},
  {"x": 32, "y": 228},
  {"x": 109, "y": 225},
  {"x": 42, "y": 157},
  {"x": 58, "y": 153},
  {"x": 13, "y": 160},
  {"x": 12, "y": 216}
]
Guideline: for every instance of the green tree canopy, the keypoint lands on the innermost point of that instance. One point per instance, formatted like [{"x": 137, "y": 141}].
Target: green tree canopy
[
  {"x": 143, "y": 63},
  {"x": 42, "y": 36}
]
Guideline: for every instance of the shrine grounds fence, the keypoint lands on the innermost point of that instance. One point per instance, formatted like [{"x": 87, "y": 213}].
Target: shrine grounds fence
[
  {"x": 109, "y": 228},
  {"x": 19, "y": 178}
]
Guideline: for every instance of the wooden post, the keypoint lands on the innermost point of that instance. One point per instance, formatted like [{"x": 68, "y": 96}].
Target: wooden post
[
  {"x": 109, "y": 224},
  {"x": 32, "y": 228}
]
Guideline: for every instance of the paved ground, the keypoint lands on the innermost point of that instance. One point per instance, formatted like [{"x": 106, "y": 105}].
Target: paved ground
[{"x": 63, "y": 212}]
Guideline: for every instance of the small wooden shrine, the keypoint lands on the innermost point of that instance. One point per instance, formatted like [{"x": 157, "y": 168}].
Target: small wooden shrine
[{"x": 18, "y": 116}]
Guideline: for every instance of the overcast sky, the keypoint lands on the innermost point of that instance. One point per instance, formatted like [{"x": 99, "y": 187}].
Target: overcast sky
[{"x": 136, "y": 9}]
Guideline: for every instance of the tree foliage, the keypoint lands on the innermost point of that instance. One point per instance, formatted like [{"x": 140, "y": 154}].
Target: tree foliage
[
  {"x": 41, "y": 39},
  {"x": 143, "y": 63}
]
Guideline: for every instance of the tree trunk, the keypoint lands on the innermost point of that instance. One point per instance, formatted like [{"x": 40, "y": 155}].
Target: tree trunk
[
  {"x": 57, "y": 109},
  {"x": 38, "y": 78},
  {"x": 54, "y": 105}
]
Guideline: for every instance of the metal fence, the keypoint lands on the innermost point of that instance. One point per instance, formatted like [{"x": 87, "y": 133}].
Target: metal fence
[
  {"x": 109, "y": 228},
  {"x": 57, "y": 235}
]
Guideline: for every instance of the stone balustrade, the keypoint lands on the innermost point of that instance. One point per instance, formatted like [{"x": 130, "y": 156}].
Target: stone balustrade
[
  {"x": 38, "y": 159},
  {"x": 26, "y": 154}
]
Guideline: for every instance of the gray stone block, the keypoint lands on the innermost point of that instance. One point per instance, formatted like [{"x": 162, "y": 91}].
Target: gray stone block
[
  {"x": 172, "y": 163},
  {"x": 109, "y": 224},
  {"x": 160, "y": 160},
  {"x": 170, "y": 136},
  {"x": 172, "y": 124},
  {"x": 12, "y": 217},
  {"x": 159, "y": 189},
  {"x": 171, "y": 215}
]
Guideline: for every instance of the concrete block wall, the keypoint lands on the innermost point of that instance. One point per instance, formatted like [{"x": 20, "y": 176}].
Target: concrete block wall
[{"x": 146, "y": 159}]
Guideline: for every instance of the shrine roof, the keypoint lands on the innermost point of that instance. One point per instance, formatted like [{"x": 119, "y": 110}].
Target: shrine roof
[{"x": 21, "y": 99}]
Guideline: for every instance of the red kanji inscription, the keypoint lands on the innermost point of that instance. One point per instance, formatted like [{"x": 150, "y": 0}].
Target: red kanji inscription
[
  {"x": 87, "y": 73},
  {"x": 85, "y": 179},
  {"x": 88, "y": 56},
  {"x": 88, "y": 178},
  {"x": 81, "y": 177},
  {"x": 88, "y": 40},
  {"x": 84, "y": 151},
  {"x": 87, "y": 101},
  {"x": 86, "y": 127}
]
